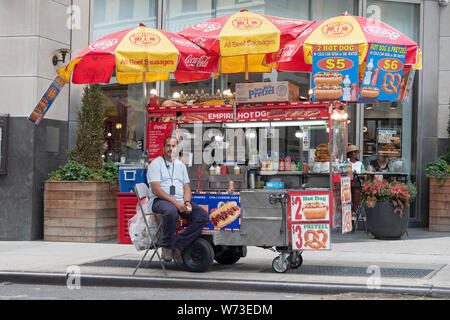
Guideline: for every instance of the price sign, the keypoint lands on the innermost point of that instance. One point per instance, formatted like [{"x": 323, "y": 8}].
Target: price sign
[
  {"x": 383, "y": 73},
  {"x": 296, "y": 237},
  {"x": 390, "y": 65},
  {"x": 335, "y": 72},
  {"x": 314, "y": 236},
  {"x": 296, "y": 205},
  {"x": 335, "y": 64},
  {"x": 346, "y": 218}
]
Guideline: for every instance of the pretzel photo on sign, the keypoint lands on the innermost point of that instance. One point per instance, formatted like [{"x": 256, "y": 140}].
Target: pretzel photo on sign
[
  {"x": 391, "y": 83},
  {"x": 316, "y": 242}
]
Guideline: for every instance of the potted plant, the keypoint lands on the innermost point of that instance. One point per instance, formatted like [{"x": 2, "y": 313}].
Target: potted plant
[
  {"x": 80, "y": 197},
  {"x": 387, "y": 207},
  {"x": 439, "y": 200}
]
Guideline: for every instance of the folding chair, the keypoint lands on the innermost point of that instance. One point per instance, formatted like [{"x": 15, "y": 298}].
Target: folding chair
[{"x": 153, "y": 229}]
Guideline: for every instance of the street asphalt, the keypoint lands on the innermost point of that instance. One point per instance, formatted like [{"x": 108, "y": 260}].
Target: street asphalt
[{"x": 417, "y": 264}]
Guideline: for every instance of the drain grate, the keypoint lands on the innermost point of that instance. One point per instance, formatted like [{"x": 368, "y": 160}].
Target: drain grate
[
  {"x": 409, "y": 273},
  {"x": 116, "y": 263}
]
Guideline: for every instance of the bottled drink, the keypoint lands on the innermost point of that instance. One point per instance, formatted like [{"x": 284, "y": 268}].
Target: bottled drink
[
  {"x": 281, "y": 163},
  {"x": 230, "y": 186},
  {"x": 368, "y": 74},
  {"x": 346, "y": 83},
  {"x": 287, "y": 163},
  {"x": 276, "y": 161}
]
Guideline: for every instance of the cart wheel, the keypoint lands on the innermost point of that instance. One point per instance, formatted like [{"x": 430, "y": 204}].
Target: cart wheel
[
  {"x": 295, "y": 260},
  {"x": 199, "y": 256},
  {"x": 280, "y": 264}
]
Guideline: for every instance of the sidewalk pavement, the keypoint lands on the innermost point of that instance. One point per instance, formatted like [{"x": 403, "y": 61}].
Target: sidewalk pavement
[{"x": 417, "y": 264}]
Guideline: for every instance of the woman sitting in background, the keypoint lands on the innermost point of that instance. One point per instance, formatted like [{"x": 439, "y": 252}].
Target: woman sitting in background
[{"x": 380, "y": 164}]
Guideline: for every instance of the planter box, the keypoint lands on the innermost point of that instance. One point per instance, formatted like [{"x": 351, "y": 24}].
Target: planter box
[
  {"x": 384, "y": 223},
  {"x": 439, "y": 212},
  {"x": 80, "y": 211}
]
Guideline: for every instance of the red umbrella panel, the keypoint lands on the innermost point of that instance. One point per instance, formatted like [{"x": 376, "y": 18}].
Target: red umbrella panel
[
  {"x": 135, "y": 52},
  {"x": 242, "y": 39}
]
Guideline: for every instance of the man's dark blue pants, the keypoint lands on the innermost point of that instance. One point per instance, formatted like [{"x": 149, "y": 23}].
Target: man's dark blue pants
[{"x": 197, "y": 219}]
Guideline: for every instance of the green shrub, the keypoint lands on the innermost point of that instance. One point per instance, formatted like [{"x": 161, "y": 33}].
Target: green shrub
[
  {"x": 75, "y": 171},
  {"x": 439, "y": 169}
]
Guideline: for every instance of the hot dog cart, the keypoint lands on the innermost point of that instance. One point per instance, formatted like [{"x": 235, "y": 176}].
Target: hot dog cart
[{"x": 267, "y": 173}]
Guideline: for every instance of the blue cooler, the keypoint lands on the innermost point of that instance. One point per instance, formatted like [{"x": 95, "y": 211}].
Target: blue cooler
[{"x": 129, "y": 176}]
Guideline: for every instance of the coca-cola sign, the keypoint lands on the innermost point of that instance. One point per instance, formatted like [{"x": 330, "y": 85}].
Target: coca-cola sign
[
  {"x": 103, "y": 44},
  {"x": 198, "y": 62},
  {"x": 199, "y": 41},
  {"x": 184, "y": 42},
  {"x": 160, "y": 126},
  {"x": 381, "y": 32},
  {"x": 207, "y": 26}
]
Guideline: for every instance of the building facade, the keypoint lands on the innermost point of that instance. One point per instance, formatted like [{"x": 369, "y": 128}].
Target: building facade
[{"x": 32, "y": 31}]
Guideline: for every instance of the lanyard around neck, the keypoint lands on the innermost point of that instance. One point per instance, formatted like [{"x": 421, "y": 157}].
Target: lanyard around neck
[{"x": 167, "y": 167}]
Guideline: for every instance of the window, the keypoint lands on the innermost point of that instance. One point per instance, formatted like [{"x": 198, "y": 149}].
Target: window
[
  {"x": 113, "y": 16},
  {"x": 323, "y": 9},
  {"x": 126, "y": 9},
  {"x": 189, "y": 5}
]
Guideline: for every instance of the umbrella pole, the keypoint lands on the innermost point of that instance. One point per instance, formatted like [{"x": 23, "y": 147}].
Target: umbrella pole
[
  {"x": 246, "y": 67},
  {"x": 144, "y": 93}
]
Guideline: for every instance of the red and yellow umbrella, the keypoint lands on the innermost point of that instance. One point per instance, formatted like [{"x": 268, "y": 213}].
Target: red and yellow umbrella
[
  {"x": 134, "y": 53},
  {"x": 242, "y": 39},
  {"x": 296, "y": 55}
]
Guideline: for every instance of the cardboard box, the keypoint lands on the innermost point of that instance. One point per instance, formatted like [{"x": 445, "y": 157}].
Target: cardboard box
[{"x": 266, "y": 92}]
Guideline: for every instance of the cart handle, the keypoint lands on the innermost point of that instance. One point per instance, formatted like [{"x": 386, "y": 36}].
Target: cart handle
[{"x": 283, "y": 199}]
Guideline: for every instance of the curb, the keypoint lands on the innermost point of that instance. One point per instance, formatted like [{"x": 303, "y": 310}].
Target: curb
[{"x": 220, "y": 284}]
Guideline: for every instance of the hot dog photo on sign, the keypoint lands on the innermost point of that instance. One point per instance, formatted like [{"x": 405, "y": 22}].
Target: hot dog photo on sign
[
  {"x": 383, "y": 73},
  {"x": 315, "y": 207},
  {"x": 225, "y": 211},
  {"x": 335, "y": 72},
  {"x": 225, "y": 214}
]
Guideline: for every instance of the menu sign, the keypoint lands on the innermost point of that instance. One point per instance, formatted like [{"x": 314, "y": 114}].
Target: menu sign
[
  {"x": 160, "y": 128},
  {"x": 346, "y": 218},
  {"x": 389, "y": 142},
  {"x": 383, "y": 73},
  {"x": 310, "y": 207},
  {"x": 47, "y": 100},
  {"x": 311, "y": 237},
  {"x": 335, "y": 72},
  {"x": 309, "y": 220},
  {"x": 346, "y": 201}
]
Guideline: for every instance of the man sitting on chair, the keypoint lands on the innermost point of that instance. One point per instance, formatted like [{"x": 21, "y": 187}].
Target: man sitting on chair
[{"x": 170, "y": 194}]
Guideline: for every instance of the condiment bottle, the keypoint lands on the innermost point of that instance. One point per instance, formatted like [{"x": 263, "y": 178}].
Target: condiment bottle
[
  {"x": 293, "y": 166},
  {"x": 287, "y": 163},
  {"x": 218, "y": 169},
  {"x": 270, "y": 163},
  {"x": 281, "y": 163},
  {"x": 224, "y": 170},
  {"x": 212, "y": 170},
  {"x": 236, "y": 169}
]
